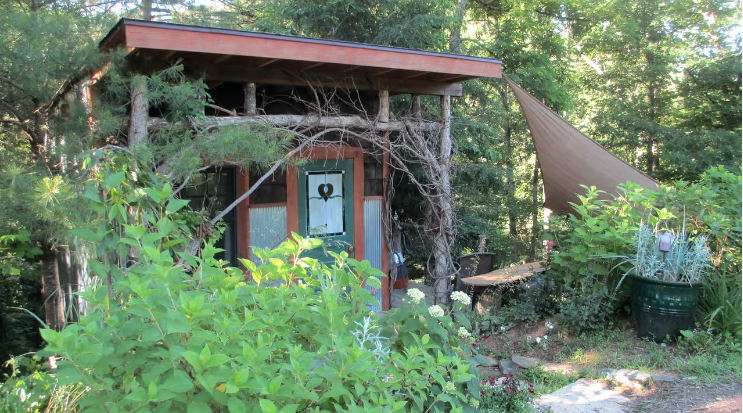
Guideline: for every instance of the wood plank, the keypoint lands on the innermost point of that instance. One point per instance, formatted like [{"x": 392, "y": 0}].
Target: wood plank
[
  {"x": 505, "y": 275},
  {"x": 240, "y": 74},
  {"x": 183, "y": 38}
]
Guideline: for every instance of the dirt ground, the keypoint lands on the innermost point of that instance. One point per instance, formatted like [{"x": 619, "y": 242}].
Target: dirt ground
[{"x": 686, "y": 396}]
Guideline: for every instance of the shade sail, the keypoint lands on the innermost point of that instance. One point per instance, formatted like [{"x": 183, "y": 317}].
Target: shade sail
[{"x": 569, "y": 159}]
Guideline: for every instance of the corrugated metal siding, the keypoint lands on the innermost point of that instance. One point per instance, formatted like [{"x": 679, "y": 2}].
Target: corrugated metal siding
[
  {"x": 373, "y": 242},
  {"x": 267, "y": 228}
]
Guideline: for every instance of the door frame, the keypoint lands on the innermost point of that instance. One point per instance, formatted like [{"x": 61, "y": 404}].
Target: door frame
[{"x": 324, "y": 152}]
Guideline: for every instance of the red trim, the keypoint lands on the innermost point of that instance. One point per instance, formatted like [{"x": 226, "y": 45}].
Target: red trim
[
  {"x": 171, "y": 37},
  {"x": 243, "y": 217},
  {"x": 268, "y": 205},
  {"x": 292, "y": 203}
]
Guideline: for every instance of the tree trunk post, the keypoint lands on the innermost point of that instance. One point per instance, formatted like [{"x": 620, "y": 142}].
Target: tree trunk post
[
  {"x": 416, "y": 107},
  {"x": 250, "y": 99},
  {"x": 442, "y": 236},
  {"x": 139, "y": 111},
  {"x": 384, "y": 105},
  {"x": 51, "y": 289}
]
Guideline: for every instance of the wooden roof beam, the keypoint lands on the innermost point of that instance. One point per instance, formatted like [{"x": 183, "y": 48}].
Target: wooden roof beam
[
  {"x": 416, "y": 75},
  {"x": 222, "y": 59},
  {"x": 268, "y": 62},
  {"x": 312, "y": 66},
  {"x": 283, "y": 77}
]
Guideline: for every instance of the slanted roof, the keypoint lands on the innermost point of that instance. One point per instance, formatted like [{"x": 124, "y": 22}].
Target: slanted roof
[{"x": 262, "y": 55}]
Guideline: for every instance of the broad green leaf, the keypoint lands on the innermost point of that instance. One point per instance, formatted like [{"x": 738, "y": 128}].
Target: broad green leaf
[
  {"x": 199, "y": 407},
  {"x": 115, "y": 179},
  {"x": 175, "y": 205},
  {"x": 235, "y": 405},
  {"x": 267, "y": 406}
]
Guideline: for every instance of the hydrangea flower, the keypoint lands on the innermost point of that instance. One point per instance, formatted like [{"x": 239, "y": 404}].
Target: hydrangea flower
[
  {"x": 416, "y": 295},
  {"x": 436, "y": 311},
  {"x": 463, "y": 333},
  {"x": 461, "y": 297}
]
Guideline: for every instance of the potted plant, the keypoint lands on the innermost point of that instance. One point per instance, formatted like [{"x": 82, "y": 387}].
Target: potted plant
[{"x": 667, "y": 271}]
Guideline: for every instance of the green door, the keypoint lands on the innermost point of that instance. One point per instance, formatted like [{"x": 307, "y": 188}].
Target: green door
[{"x": 326, "y": 205}]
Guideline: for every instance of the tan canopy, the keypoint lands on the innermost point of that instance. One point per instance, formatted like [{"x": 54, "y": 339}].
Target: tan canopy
[{"x": 569, "y": 159}]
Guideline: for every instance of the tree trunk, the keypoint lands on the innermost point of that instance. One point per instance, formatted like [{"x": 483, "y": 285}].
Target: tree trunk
[
  {"x": 146, "y": 9},
  {"x": 456, "y": 34},
  {"x": 54, "y": 304},
  {"x": 510, "y": 183},
  {"x": 442, "y": 237},
  {"x": 139, "y": 113},
  {"x": 534, "y": 211},
  {"x": 250, "y": 100}
]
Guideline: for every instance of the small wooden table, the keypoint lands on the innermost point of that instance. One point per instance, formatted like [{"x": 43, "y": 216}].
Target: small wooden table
[{"x": 501, "y": 277}]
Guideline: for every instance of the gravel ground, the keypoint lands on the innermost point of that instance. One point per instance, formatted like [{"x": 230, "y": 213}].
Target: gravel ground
[{"x": 686, "y": 396}]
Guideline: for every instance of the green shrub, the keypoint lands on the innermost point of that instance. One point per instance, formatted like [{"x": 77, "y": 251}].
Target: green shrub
[
  {"x": 181, "y": 332},
  {"x": 601, "y": 228},
  {"x": 36, "y": 392}
]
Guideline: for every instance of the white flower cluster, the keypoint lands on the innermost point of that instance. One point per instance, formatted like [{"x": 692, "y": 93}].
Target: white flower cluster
[
  {"x": 416, "y": 295},
  {"x": 463, "y": 333},
  {"x": 461, "y": 297},
  {"x": 450, "y": 387},
  {"x": 436, "y": 311},
  {"x": 539, "y": 340},
  {"x": 549, "y": 325}
]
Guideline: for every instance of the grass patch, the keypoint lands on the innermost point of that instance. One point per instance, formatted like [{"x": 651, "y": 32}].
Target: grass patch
[
  {"x": 548, "y": 381},
  {"x": 718, "y": 362},
  {"x": 710, "y": 358}
]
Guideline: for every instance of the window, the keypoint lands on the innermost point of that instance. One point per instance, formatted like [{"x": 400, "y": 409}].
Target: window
[
  {"x": 214, "y": 190},
  {"x": 325, "y": 211}
]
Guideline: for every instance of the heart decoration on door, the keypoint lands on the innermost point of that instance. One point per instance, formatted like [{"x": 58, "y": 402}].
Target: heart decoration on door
[{"x": 325, "y": 191}]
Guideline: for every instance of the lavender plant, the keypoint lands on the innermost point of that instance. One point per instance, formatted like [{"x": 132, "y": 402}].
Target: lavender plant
[{"x": 686, "y": 260}]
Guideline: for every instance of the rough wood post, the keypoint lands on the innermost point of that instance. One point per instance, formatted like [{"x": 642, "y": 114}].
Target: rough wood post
[
  {"x": 384, "y": 105},
  {"x": 442, "y": 253},
  {"x": 250, "y": 99},
  {"x": 139, "y": 112},
  {"x": 416, "y": 107}
]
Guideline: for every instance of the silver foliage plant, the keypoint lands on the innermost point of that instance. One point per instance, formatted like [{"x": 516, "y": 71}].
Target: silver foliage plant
[
  {"x": 368, "y": 337},
  {"x": 686, "y": 261}
]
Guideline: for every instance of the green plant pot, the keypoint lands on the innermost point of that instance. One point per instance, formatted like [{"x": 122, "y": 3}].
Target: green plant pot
[{"x": 663, "y": 308}]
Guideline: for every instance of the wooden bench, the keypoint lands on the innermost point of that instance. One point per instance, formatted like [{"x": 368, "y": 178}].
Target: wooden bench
[{"x": 501, "y": 277}]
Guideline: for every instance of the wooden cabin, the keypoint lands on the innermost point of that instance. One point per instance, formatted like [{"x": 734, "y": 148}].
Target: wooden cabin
[{"x": 338, "y": 195}]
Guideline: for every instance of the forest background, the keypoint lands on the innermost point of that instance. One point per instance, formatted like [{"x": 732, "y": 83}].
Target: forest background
[{"x": 656, "y": 82}]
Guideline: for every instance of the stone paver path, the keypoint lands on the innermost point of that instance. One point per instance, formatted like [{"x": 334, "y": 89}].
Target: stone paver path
[{"x": 586, "y": 396}]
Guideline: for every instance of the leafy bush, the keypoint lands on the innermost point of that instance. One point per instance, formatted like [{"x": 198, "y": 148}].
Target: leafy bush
[
  {"x": 602, "y": 227},
  {"x": 36, "y": 392},
  {"x": 181, "y": 332}
]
